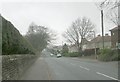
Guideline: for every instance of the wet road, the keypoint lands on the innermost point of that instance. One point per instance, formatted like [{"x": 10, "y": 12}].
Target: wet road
[{"x": 52, "y": 68}]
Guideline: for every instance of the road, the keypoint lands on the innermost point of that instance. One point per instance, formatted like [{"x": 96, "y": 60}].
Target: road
[{"x": 52, "y": 68}]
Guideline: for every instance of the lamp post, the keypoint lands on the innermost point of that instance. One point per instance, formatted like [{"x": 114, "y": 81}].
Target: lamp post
[{"x": 95, "y": 45}]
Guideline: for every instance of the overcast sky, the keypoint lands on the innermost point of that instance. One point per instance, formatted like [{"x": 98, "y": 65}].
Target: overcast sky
[{"x": 56, "y": 15}]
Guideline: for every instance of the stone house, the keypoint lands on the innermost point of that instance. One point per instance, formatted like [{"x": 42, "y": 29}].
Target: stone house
[
  {"x": 73, "y": 48},
  {"x": 94, "y": 43},
  {"x": 97, "y": 42},
  {"x": 115, "y": 37}
]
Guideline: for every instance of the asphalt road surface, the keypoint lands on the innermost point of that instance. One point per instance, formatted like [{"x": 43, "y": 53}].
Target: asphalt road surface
[{"x": 52, "y": 68}]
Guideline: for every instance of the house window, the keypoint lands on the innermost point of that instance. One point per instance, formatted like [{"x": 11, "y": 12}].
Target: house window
[
  {"x": 113, "y": 33},
  {"x": 118, "y": 45}
]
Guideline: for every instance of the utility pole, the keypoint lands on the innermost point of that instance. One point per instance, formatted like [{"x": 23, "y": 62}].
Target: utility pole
[
  {"x": 102, "y": 6},
  {"x": 95, "y": 45},
  {"x": 102, "y": 28}
]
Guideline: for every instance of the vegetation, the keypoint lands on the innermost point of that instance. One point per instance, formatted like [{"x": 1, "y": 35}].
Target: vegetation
[
  {"x": 39, "y": 36},
  {"x": 12, "y": 41},
  {"x": 72, "y": 54},
  {"x": 65, "y": 49},
  {"x": 81, "y": 28},
  {"x": 108, "y": 55},
  {"x": 111, "y": 7},
  {"x": 52, "y": 50}
]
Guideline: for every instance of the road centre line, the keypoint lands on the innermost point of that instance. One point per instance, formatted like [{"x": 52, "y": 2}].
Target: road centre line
[
  {"x": 107, "y": 76},
  {"x": 84, "y": 68},
  {"x": 81, "y": 67},
  {"x": 98, "y": 73}
]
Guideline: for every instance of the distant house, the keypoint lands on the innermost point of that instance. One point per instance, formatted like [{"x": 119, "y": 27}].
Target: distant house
[
  {"x": 115, "y": 37},
  {"x": 73, "y": 48},
  {"x": 57, "y": 48},
  {"x": 97, "y": 42},
  {"x": 94, "y": 43},
  {"x": 84, "y": 43}
]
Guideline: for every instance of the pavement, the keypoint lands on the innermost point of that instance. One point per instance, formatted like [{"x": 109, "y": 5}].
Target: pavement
[
  {"x": 38, "y": 71},
  {"x": 63, "y": 68}
]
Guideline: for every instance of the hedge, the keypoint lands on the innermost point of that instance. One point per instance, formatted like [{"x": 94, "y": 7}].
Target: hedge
[
  {"x": 72, "y": 54},
  {"x": 109, "y": 55}
]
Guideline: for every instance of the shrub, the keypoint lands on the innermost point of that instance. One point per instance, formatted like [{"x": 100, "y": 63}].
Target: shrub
[
  {"x": 72, "y": 54},
  {"x": 65, "y": 54},
  {"x": 65, "y": 48},
  {"x": 108, "y": 55}
]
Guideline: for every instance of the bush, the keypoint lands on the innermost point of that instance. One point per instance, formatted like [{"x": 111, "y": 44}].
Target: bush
[
  {"x": 72, "y": 54},
  {"x": 108, "y": 55},
  {"x": 65, "y": 54}
]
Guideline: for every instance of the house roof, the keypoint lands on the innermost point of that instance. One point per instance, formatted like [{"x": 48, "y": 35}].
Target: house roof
[
  {"x": 107, "y": 38},
  {"x": 72, "y": 45},
  {"x": 116, "y": 28},
  {"x": 57, "y": 47},
  {"x": 84, "y": 41}
]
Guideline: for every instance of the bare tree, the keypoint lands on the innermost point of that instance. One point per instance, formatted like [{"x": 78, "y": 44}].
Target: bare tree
[
  {"x": 103, "y": 4},
  {"x": 112, "y": 15},
  {"x": 72, "y": 35},
  {"x": 113, "y": 12},
  {"x": 114, "y": 4},
  {"x": 80, "y": 29},
  {"x": 39, "y": 36}
]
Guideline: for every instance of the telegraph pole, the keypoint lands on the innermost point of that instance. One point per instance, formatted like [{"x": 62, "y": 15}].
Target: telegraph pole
[
  {"x": 95, "y": 44},
  {"x": 102, "y": 28}
]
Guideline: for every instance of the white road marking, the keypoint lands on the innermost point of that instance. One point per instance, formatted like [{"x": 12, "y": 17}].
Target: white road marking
[
  {"x": 107, "y": 76},
  {"x": 84, "y": 68}
]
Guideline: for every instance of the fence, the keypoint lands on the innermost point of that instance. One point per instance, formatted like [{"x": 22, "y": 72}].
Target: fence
[{"x": 13, "y": 66}]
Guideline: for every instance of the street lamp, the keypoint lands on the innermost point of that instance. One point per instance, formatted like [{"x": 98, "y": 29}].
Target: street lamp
[{"x": 94, "y": 45}]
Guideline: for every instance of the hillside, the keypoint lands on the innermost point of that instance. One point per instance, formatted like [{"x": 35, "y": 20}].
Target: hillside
[{"x": 12, "y": 41}]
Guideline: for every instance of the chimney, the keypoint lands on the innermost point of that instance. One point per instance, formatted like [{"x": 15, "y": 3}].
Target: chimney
[
  {"x": 106, "y": 34},
  {"x": 99, "y": 35}
]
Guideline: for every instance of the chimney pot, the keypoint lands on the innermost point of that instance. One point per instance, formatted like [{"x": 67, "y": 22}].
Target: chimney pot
[
  {"x": 99, "y": 35},
  {"x": 106, "y": 34}
]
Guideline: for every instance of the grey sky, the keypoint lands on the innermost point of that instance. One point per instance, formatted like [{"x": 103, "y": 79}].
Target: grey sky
[{"x": 55, "y": 15}]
